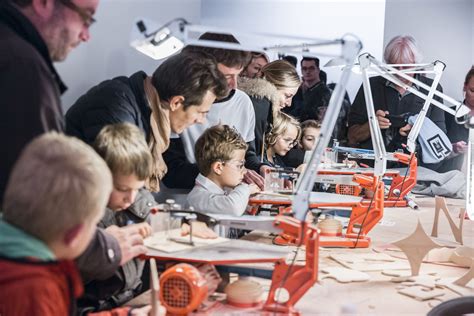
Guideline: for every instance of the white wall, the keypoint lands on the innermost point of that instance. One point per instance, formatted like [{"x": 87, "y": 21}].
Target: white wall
[
  {"x": 444, "y": 30},
  {"x": 472, "y": 32},
  {"x": 308, "y": 18},
  {"x": 108, "y": 53}
]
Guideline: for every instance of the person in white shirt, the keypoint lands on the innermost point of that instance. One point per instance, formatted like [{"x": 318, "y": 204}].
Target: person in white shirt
[
  {"x": 220, "y": 157},
  {"x": 235, "y": 110}
]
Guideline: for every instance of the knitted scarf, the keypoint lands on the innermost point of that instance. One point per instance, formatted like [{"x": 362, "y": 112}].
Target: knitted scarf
[{"x": 159, "y": 137}]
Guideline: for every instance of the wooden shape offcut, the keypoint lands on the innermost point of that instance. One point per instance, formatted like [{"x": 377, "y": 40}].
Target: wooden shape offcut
[
  {"x": 344, "y": 275},
  {"x": 416, "y": 246},
  {"x": 462, "y": 281},
  {"x": 440, "y": 204}
]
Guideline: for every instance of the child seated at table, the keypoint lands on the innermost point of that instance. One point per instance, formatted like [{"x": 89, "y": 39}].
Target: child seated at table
[
  {"x": 124, "y": 149},
  {"x": 282, "y": 137},
  {"x": 220, "y": 153},
  {"x": 310, "y": 130}
]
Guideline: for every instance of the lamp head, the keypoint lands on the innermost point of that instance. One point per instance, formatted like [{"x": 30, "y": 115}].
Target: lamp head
[{"x": 158, "y": 44}]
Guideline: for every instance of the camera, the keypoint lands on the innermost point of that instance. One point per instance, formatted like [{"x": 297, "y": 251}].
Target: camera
[{"x": 399, "y": 120}]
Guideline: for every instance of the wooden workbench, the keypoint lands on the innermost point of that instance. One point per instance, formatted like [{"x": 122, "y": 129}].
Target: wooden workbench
[{"x": 379, "y": 296}]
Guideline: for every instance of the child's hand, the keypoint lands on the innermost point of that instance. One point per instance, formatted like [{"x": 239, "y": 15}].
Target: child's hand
[
  {"x": 254, "y": 189},
  {"x": 200, "y": 230},
  {"x": 144, "y": 229},
  {"x": 252, "y": 177}
]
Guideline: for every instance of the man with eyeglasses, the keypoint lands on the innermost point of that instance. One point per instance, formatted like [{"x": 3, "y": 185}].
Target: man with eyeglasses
[{"x": 34, "y": 34}]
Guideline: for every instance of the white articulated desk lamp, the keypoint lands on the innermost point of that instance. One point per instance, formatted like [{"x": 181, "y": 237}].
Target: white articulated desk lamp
[
  {"x": 174, "y": 35},
  {"x": 370, "y": 65}
]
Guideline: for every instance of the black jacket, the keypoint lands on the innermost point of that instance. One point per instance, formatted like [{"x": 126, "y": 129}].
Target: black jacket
[
  {"x": 30, "y": 91},
  {"x": 30, "y": 88},
  {"x": 387, "y": 98},
  {"x": 126, "y": 283},
  {"x": 118, "y": 100}
]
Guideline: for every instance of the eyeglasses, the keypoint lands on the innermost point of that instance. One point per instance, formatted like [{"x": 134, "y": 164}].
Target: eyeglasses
[
  {"x": 290, "y": 141},
  {"x": 85, "y": 15},
  {"x": 238, "y": 164}
]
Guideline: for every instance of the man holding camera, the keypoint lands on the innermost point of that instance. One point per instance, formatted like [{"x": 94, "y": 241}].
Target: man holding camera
[{"x": 393, "y": 104}]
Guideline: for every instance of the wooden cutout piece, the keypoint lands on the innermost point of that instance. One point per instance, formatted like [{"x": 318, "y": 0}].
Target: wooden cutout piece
[
  {"x": 344, "y": 275},
  {"x": 397, "y": 273},
  {"x": 401, "y": 275},
  {"x": 427, "y": 281},
  {"x": 462, "y": 256},
  {"x": 362, "y": 257},
  {"x": 420, "y": 294},
  {"x": 368, "y": 261},
  {"x": 439, "y": 255},
  {"x": 461, "y": 290},
  {"x": 434, "y": 302},
  {"x": 159, "y": 241},
  {"x": 462, "y": 281},
  {"x": 458, "y": 256},
  {"x": 440, "y": 204},
  {"x": 416, "y": 246}
]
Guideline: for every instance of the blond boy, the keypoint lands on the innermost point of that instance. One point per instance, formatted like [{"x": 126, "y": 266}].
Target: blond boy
[
  {"x": 220, "y": 153},
  {"x": 56, "y": 194},
  {"x": 124, "y": 149}
]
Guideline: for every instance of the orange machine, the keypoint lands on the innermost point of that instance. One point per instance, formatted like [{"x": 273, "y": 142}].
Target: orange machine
[
  {"x": 364, "y": 216},
  {"x": 401, "y": 185},
  {"x": 183, "y": 288}
]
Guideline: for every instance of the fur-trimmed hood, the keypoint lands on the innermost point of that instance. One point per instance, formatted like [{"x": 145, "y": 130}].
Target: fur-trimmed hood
[{"x": 260, "y": 88}]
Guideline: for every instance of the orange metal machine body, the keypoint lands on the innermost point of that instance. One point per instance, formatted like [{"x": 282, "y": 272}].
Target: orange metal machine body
[
  {"x": 401, "y": 184},
  {"x": 364, "y": 216},
  {"x": 183, "y": 289}
]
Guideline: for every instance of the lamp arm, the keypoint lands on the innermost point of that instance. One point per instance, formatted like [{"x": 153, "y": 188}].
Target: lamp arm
[
  {"x": 300, "y": 205},
  {"x": 380, "y": 154},
  {"x": 470, "y": 176},
  {"x": 389, "y": 72}
]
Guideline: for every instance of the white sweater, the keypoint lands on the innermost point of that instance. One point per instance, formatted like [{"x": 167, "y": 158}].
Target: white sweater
[{"x": 208, "y": 197}]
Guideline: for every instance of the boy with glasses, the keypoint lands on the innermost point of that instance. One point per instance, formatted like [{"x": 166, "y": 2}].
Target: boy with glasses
[{"x": 220, "y": 156}]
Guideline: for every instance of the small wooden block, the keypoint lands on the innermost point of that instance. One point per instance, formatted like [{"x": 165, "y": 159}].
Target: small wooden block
[
  {"x": 405, "y": 276},
  {"x": 426, "y": 281},
  {"x": 344, "y": 275},
  {"x": 419, "y": 293}
]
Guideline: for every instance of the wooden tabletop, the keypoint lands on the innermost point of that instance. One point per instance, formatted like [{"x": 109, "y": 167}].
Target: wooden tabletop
[{"x": 379, "y": 295}]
